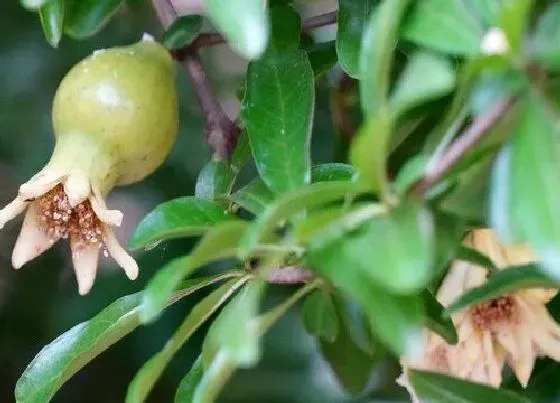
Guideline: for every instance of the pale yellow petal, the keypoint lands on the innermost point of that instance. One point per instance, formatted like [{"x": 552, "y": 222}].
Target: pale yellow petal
[
  {"x": 77, "y": 189},
  {"x": 40, "y": 184},
  {"x": 85, "y": 262},
  {"x": 492, "y": 359},
  {"x": 110, "y": 217},
  {"x": 118, "y": 253},
  {"x": 12, "y": 210},
  {"x": 453, "y": 283},
  {"x": 32, "y": 240},
  {"x": 523, "y": 363}
]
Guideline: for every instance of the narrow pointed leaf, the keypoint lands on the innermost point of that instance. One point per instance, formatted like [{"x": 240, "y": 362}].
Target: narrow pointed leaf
[
  {"x": 183, "y": 217},
  {"x": 504, "y": 282},
  {"x": 352, "y": 19},
  {"x": 52, "y": 21},
  {"x": 278, "y": 108},
  {"x": 319, "y": 316},
  {"x": 215, "y": 181},
  {"x": 546, "y": 39},
  {"x": 436, "y": 321},
  {"x": 331, "y": 172},
  {"x": 151, "y": 371},
  {"x": 214, "y": 379},
  {"x": 248, "y": 31},
  {"x": 437, "y": 388},
  {"x": 253, "y": 197},
  {"x": 86, "y": 17},
  {"x": 473, "y": 256},
  {"x": 185, "y": 391}
]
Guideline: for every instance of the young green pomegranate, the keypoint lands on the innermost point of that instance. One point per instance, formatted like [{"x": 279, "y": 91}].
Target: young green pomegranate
[{"x": 115, "y": 121}]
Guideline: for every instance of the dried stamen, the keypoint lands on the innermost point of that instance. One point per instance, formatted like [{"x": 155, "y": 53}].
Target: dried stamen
[
  {"x": 488, "y": 314},
  {"x": 59, "y": 220}
]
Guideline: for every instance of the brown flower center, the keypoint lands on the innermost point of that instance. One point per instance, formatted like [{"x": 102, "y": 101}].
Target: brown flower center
[
  {"x": 493, "y": 312},
  {"x": 59, "y": 220}
]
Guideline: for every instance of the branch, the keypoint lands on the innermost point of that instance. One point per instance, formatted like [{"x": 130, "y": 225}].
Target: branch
[
  {"x": 221, "y": 132},
  {"x": 460, "y": 147},
  {"x": 289, "y": 275}
]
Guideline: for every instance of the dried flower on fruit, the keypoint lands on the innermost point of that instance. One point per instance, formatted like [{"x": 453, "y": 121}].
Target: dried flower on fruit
[{"x": 115, "y": 121}]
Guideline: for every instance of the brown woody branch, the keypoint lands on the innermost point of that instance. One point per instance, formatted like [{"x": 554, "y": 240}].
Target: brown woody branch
[{"x": 464, "y": 143}]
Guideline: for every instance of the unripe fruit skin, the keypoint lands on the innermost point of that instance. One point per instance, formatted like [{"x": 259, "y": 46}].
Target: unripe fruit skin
[{"x": 115, "y": 115}]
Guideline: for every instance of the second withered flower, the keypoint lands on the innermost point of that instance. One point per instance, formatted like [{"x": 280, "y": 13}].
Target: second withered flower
[
  {"x": 515, "y": 328},
  {"x": 115, "y": 121}
]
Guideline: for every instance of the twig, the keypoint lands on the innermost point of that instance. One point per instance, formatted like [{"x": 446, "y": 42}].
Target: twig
[
  {"x": 460, "y": 147},
  {"x": 289, "y": 275},
  {"x": 221, "y": 132}
]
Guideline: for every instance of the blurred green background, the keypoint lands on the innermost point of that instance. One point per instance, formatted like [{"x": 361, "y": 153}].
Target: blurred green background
[{"x": 40, "y": 301}]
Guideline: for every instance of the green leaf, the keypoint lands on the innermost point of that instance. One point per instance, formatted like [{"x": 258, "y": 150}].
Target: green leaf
[
  {"x": 248, "y": 32},
  {"x": 395, "y": 251},
  {"x": 446, "y": 26},
  {"x": 185, "y": 391},
  {"x": 71, "y": 351},
  {"x": 319, "y": 316},
  {"x": 488, "y": 10},
  {"x": 178, "y": 218},
  {"x": 87, "y": 17},
  {"x": 351, "y": 365},
  {"x": 52, "y": 19},
  {"x": 352, "y": 19},
  {"x": 306, "y": 197},
  {"x": 513, "y": 20},
  {"x": 215, "y": 181},
  {"x": 214, "y": 378},
  {"x": 33, "y": 4},
  {"x": 235, "y": 330},
  {"x": 253, "y": 197},
  {"x": 427, "y": 76},
  {"x": 368, "y": 151},
  {"x": 182, "y": 32},
  {"x": 546, "y": 39},
  {"x": 322, "y": 57},
  {"x": 219, "y": 243},
  {"x": 331, "y": 172},
  {"x": 145, "y": 379},
  {"x": 396, "y": 320},
  {"x": 435, "y": 319},
  {"x": 504, "y": 282},
  {"x": 242, "y": 151},
  {"x": 278, "y": 110},
  {"x": 378, "y": 43},
  {"x": 525, "y": 188},
  {"x": 473, "y": 256},
  {"x": 437, "y": 388}
]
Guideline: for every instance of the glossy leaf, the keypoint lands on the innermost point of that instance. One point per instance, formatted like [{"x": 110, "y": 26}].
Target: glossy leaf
[
  {"x": 526, "y": 186},
  {"x": 253, "y": 197},
  {"x": 319, "y": 316},
  {"x": 331, "y": 172},
  {"x": 248, "y": 31},
  {"x": 87, "y": 17},
  {"x": 427, "y": 77},
  {"x": 178, "y": 218},
  {"x": 182, "y": 32},
  {"x": 306, "y": 197},
  {"x": 278, "y": 109},
  {"x": 185, "y": 391},
  {"x": 52, "y": 21},
  {"x": 444, "y": 25},
  {"x": 437, "y": 388},
  {"x": 214, "y": 378},
  {"x": 234, "y": 331},
  {"x": 215, "y": 181},
  {"x": 378, "y": 43},
  {"x": 436, "y": 321},
  {"x": 546, "y": 40},
  {"x": 352, "y": 19},
  {"x": 151, "y": 371},
  {"x": 69, "y": 352},
  {"x": 504, "y": 282},
  {"x": 396, "y": 320},
  {"x": 219, "y": 243}
]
